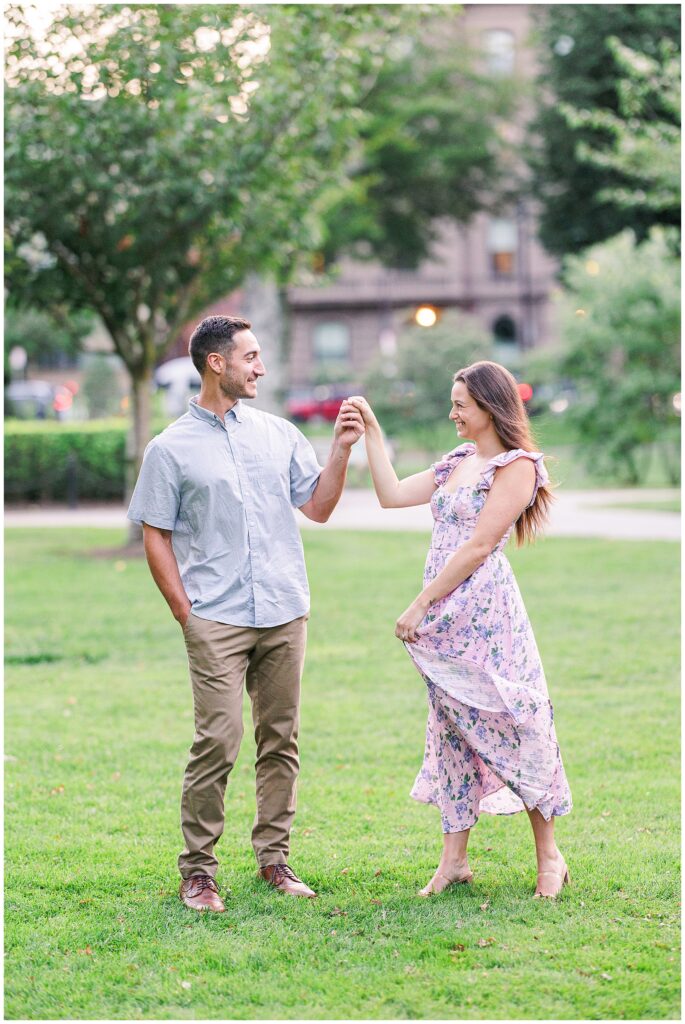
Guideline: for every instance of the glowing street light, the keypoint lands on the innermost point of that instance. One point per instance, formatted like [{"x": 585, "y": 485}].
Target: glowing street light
[{"x": 425, "y": 316}]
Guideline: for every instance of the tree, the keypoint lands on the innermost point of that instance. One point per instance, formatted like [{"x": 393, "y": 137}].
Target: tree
[
  {"x": 46, "y": 335},
  {"x": 413, "y": 390},
  {"x": 645, "y": 138},
  {"x": 580, "y": 69},
  {"x": 621, "y": 330},
  {"x": 100, "y": 387},
  {"x": 157, "y": 153},
  {"x": 429, "y": 148}
]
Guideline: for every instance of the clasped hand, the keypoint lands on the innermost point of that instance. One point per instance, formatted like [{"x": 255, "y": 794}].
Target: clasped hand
[
  {"x": 349, "y": 426},
  {"x": 405, "y": 628},
  {"x": 358, "y": 404}
]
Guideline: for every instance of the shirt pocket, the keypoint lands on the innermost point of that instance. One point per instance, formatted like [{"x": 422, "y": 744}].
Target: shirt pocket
[{"x": 270, "y": 474}]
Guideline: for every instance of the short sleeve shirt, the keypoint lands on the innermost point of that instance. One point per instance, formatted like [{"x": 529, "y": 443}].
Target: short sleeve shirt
[{"x": 227, "y": 489}]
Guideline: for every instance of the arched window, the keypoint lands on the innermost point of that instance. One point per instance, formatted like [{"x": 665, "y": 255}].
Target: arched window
[
  {"x": 504, "y": 331},
  {"x": 505, "y": 337},
  {"x": 499, "y": 51},
  {"x": 331, "y": 343},
  {"x": 502, "y": 244}
]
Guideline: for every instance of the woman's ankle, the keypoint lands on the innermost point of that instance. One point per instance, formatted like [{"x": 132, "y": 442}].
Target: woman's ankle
[
  {"x": 549, "y": 858},
  {"x": 453, "y": 864}
]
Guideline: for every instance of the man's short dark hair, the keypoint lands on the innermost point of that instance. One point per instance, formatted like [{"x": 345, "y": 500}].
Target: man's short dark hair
[{"x": 214, "y": 334}]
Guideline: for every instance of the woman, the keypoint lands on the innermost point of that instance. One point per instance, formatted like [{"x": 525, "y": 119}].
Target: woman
[{"x": 490, "y": 740}]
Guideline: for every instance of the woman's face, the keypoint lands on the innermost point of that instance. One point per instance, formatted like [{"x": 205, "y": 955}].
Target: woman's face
[{"x": 470, "y": 420}]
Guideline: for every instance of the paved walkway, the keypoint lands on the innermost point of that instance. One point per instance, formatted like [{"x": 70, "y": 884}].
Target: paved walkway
[{"x": 574, "y": 514}]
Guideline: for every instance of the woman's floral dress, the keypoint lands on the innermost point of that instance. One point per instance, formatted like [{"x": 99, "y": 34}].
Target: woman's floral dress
[{"x": 490, "y": 740}]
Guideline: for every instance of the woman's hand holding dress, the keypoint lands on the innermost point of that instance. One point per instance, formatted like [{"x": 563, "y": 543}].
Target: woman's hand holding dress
[
  {"x": 509, "y": 495},
  {"x": 409, "y": 620}
]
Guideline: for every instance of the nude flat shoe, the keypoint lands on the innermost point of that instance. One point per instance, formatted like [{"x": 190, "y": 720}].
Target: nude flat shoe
[
  {"x": 563, "y": 878},
  {"x": 433, "y": 889}
]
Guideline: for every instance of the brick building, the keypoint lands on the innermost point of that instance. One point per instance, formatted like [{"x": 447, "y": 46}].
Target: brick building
[{"x": 494, "y": 268}]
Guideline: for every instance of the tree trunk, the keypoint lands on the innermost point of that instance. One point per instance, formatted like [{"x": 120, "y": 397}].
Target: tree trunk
[{"x": 139, "y": 435}]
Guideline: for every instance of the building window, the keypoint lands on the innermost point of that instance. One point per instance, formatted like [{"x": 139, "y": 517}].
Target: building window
[
  {"x": 502, "y": 247},
  {"x": 499, "y": 51},
  {"x": 504, "y": 330},
  {"x": 331, "y": 344},
  {"x": 506, "y": 348}
]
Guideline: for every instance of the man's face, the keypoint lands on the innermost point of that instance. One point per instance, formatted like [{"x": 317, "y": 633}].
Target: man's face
[{"x": 243, "y": 368}]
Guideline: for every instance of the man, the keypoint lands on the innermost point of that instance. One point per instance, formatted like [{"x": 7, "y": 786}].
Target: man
[{"x": 215, "y": 496}]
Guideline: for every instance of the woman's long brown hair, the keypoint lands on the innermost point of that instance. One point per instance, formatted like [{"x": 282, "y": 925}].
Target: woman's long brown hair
[{"x": 494, "y": 389}]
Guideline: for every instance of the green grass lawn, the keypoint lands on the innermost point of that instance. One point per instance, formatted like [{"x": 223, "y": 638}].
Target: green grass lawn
[
  {"x": 668, "y": 505},
  {"x": 98, "y": 727}
]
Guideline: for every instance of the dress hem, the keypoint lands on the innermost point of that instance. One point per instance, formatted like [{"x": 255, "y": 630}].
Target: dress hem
[{"x": 499, "y": 814}]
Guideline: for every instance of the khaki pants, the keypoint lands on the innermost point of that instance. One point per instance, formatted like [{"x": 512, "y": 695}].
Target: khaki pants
[{"x": 221, "y": 659}]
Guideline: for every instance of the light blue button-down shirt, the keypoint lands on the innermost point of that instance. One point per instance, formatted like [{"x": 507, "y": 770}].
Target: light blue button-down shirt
[{"x": 227, "y": 489}]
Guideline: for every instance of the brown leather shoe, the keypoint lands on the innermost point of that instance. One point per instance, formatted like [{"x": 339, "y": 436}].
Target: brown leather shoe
[
  {"x": 283, "y": 878},
  {"x": 200, "y": 892}
]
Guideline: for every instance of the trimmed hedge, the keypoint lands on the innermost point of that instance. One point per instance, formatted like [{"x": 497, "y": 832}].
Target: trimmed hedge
[{"x": 38, "y": 456}]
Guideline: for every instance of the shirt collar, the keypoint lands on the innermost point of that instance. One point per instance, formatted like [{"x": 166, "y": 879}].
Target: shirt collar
[{"x": 201, "y": 413}]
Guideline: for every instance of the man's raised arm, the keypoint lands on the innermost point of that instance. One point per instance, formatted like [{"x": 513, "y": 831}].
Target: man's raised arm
[{"x": 349, "y": 427}]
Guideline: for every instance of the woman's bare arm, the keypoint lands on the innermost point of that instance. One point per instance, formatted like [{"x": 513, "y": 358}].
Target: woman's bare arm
[
  {"x": 391, "y": 492},
  {"x": 509, "y": 495}
]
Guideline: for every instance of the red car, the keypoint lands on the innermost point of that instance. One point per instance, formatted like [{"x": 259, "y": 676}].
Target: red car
[{"x": 322, "y": 403}]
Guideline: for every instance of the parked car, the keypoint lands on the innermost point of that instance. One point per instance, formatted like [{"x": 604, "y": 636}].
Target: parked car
[
  {"x": 38, "y": 400},
  {"x": 554, "y": 397},
  {"x": 318, "y": 404},
  {"x": 179, "y": 380}
]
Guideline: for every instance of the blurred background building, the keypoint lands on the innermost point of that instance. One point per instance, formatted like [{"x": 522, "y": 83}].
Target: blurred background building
[{"x": 494, "y": 268}]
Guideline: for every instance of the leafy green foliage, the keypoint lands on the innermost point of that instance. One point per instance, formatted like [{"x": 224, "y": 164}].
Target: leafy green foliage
[
  {"x": 38, "y": 456},
  {"x": 100, "y": 387},
  {"x": 413, "y": 390},
  {"x": 45, "y": 335},
  {"x": 582, "y": 69},
  {"x": 621, "y": 329},
  {"x": 155, "y": 153},
  {"x": 429, "y": 148},
  {"x": 645, "y": 138}
]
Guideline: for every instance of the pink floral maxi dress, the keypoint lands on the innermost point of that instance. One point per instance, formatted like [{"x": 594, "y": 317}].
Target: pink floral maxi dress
[{"x": 490, "y": 739}]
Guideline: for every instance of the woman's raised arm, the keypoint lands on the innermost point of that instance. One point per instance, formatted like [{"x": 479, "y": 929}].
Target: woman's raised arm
[{"x": 392, "y": 492}]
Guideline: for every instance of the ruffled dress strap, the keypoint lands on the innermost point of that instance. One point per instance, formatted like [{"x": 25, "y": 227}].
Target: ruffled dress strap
[
  {"x": 443, "y": 468},
  {"x": 541, "y": 475}
]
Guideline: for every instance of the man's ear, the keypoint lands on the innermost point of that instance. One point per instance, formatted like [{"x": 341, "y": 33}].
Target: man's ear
[{"x": 214, "y": 362}]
